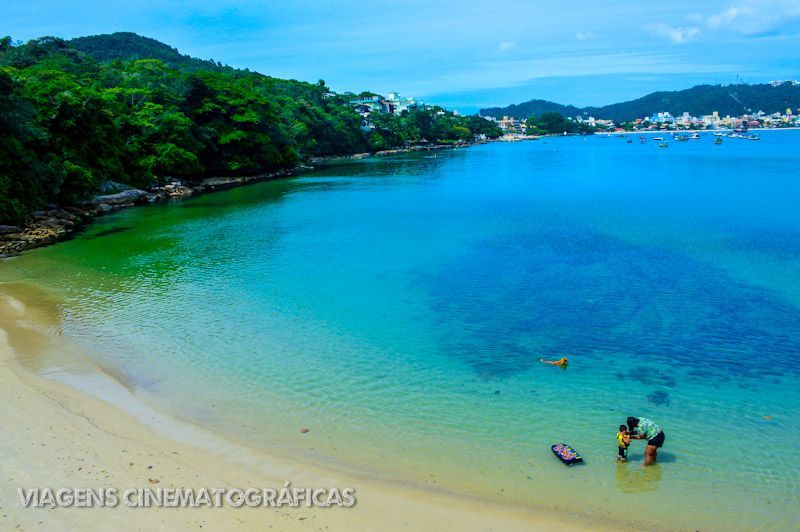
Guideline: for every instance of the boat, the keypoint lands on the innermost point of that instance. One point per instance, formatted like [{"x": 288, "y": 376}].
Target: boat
[
  {"x": 718, "y": 140},
  {"x": 658, "y": 138},
  {"x": 662, "y": 144},
  {"x": 752, "y": 137},
  {"x": 719, "y": 133},
  {"x": 680, "y": 138},
  {"x": 695, "y": 136}
]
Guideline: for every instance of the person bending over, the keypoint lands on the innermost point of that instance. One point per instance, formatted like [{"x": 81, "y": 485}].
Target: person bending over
[{"x": 642, "y": 428}]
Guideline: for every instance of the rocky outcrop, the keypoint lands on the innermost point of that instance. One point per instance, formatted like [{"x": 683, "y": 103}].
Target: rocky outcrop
[
  {"x": 124, "y": 198},
  {"x": 44, "y": 227},
  {"x": 222, "y": 183},
  {"x": 172, "y": 190},
  {"x": 58, "y": 223}
]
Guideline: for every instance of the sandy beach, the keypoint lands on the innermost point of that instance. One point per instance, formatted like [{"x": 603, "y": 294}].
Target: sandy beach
[{"x": 65, "y": 423}]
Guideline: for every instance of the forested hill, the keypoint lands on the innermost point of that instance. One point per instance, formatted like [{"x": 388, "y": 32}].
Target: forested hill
[
  {"x": 78, "y": 115},
  {"x": 130, "y": 46},
  {"x": 531, "y": 108},
  {"x": 701, "y": 100}
]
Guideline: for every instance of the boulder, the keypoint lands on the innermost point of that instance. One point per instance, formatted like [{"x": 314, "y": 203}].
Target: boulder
[
  {"x": 49, "y": 222},
  {"x": 121, "y": 198},
  {"x": 7, "y": 229},
  {"x": 76, "y": 211}
]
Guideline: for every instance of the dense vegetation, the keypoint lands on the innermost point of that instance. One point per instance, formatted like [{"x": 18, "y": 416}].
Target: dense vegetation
[
  {"x": 733, "y": 100},
  {"x": 130, "y": 46},
  {"x": 552, "y": 123},
  {"x": 76, "y": 115}
]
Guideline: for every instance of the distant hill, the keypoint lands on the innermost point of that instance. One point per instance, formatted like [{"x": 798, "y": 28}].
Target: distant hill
[
  {"x": 130, "y": 46},
  {"x": 731, "y": 100}
]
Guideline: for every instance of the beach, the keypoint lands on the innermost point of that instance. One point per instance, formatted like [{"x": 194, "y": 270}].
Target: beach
[{"x": 96, "y": 434}]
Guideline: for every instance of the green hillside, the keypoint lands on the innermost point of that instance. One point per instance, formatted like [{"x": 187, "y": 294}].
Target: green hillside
[
  {"x": 731, "y": 100},
  {"x": 75, "y": 115}
]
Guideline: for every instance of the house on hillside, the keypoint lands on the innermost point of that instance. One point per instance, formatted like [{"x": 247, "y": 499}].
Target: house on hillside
[
  {"x": 392, "y": 104},
  {"x": 509, "y": 124}
]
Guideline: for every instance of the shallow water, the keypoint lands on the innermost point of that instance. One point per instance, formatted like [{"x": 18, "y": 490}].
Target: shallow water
[{"x": 398, "y": 308}]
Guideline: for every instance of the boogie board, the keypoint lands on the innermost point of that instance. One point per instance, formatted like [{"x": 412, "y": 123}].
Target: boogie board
[{"x": 566, "y": 454}]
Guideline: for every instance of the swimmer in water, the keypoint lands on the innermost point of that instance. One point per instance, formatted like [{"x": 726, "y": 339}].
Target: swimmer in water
[{"x": 562, "y": 362}]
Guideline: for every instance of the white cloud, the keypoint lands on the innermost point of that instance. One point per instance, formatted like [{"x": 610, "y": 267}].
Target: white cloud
[
  {"x": 585, "y": 35},
  {"x": 678, "y": 35},
  {"x": 506, "y": 46},
  {"x": 745, "y": 17},
  {"x": 753, "y": 17},
  {"x": 726, "y": 17}
]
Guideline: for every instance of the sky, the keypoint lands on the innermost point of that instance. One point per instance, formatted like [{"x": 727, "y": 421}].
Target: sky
[{"x": 458, "y": 53}]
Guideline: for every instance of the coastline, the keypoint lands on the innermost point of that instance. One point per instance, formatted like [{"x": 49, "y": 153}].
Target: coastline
[
  {"x": 672, "y": 131},
  {"x": 69, "y": 424},
  {"x": 58, "y": 223}
]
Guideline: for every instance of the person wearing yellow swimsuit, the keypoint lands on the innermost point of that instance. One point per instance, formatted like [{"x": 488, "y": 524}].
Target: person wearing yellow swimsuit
[{"x": 562, "y": 362}]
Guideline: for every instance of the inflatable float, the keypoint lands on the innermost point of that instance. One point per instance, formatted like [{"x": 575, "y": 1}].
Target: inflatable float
[{"x": 566, "y": 454}]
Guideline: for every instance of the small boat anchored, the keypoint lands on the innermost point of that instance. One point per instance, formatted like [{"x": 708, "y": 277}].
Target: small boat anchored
[
  {"x": 718, "y": 140},
  {"x": 662, "y": 145}
]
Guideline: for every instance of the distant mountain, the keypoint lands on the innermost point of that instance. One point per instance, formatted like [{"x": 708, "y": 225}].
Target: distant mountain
[
  {"x": 532, "y": 108},
  {"x": 130, "y": 46},
  {"x": 731, "y": 100}
]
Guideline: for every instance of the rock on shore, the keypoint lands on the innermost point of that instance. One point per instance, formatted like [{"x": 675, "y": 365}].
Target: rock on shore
[{"x": 57, "y": 223}]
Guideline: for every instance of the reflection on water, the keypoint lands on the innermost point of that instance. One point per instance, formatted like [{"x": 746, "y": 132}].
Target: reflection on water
[{"x": 633, "y": 477}]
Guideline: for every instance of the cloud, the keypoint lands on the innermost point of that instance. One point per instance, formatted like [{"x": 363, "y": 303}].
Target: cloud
[
  {"x": 506, "y": 46},
  {"x": 678, "y": 35},
  {"x": 726, "y": 17},
  {"x": 585, "y": 35},
  {"x": 751, "y": 17}
]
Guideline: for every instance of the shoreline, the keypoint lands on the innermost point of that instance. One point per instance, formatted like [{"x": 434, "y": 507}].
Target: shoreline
[
  {"x": 673, "y": 131},
  {"x": 69, "y": 424},
  {"x": 59, "y": 223}
]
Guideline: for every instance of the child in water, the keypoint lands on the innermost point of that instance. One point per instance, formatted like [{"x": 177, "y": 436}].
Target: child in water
[{"x": 623, "y": 440}]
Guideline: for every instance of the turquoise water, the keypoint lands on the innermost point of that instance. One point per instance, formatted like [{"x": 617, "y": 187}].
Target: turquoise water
[{"x": 398, "y": 307}]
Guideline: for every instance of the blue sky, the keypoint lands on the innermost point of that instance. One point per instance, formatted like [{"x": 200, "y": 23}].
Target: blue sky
[{"x": 461, "y": 54}]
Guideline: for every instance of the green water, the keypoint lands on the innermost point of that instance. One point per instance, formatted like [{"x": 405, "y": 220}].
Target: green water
[{"x": 398, "y": 307}]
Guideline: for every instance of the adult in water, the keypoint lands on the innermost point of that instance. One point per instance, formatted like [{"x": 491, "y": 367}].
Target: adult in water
[
  {"x": 642, "y": 428},
  {"x": 562, "y": 362}
]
